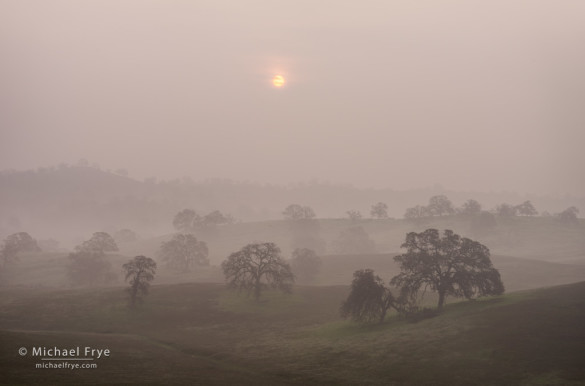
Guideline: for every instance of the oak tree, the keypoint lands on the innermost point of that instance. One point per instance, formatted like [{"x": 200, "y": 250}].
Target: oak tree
[
  {"x": 440, "y": 205},
  {"x": 354, "y": 240},
  {"x": 451, "y": 265},
  {"x": 15, "y": 244},
  {"x": 305, "y": 264},
  {"x": 379, "y": 210},
  {"x": 89, "y": 264},
  {"x": 569, "y": 216},
  {"x": 99, "y": 241},
  {"x": 470, "y": 208},
  {"x": 369, "y": 299},
  {"x": 526, "y": 209},
  {"x": 139, "y": 272},
  {"x": 184, "y": 251},
  {"x": 256, "y": 267},
  {"x": 298, "y": 212}
]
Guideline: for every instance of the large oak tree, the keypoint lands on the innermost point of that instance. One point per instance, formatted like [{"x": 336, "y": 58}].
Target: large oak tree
[
  {"x": 450, "y": 264},
  {"x": 256, "y": 267}
]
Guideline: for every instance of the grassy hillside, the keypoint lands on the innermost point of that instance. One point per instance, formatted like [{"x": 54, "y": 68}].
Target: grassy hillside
[{"x": 202, "y": 334}]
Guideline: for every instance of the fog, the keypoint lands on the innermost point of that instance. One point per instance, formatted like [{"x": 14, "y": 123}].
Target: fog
[
  {"x": 291, "y": 192},
  {"x": 483, "y": 96}
]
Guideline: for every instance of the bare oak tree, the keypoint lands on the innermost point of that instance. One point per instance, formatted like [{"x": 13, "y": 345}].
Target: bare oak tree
[{"x": 256, "y": 267}]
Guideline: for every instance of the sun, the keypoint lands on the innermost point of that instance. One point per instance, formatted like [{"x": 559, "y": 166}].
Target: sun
[{"x": 278, "y": 81}]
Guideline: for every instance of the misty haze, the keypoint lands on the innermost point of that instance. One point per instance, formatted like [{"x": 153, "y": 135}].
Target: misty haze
[{"x": 267, "y": 193}]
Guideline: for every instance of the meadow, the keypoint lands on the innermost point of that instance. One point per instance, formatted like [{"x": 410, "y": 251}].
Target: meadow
[
  {"x": 192, "y": 330},
  {"x": 204, "y": 334}
]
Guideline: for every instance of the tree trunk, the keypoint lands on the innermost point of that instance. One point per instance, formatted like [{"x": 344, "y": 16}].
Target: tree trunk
[
  {"x": 383, "y": 315},
  {"x": 257, "y": 290},
  {"x": 133, "y": 295},
  {"x": 441, "y": 300},
  {"x": 134, "y": 290}
]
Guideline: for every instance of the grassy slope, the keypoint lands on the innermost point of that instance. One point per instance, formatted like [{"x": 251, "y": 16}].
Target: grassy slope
[{"x": 199, "y": 333}]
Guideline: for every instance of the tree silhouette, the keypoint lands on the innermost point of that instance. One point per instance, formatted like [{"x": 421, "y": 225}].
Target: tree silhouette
[
  {"x": 256, "y": 267},
  {"x": 526, "y": 209},
  {"x": 369, "y": 299},
  {"x": 470, "y": 208},
  {"x": 450, "y": 265},
  {"x": 186, "y": 220},
  {"x": 298, "y": 212},
  {"x": 506, "y": 210},
  {"x": 139, "y": 272},
  {"x": 354, "y": 215},
  {"x": 379, "y": 210},
  {"x": 354, "y": 240},
  {"x": 440, "y": 205},
  {"x": 89, "y": 265},
  {"x": 99, "y": 241},
  {"x": 15, "y": 244},
  {"x": 569, "y": 216},
  {"x": 305, "y": 264},
  {"x": 184, "y": 251}
]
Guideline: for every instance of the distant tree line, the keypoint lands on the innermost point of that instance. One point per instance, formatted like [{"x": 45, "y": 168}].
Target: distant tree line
[
  {"x": 12, "y": 247},
  {"x": 189, "y": 221}
]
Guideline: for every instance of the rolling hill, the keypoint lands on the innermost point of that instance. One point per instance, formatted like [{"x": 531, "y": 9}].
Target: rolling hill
[{"x": 202, "y": 334}]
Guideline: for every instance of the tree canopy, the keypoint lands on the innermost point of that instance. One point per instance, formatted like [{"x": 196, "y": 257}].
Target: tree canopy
[
  {"x": 188, "y": 220},
  {"x": 354, "y": 215},
  {"x": 184, "y": 251},
  {"x": 470, "y": 208},
  {"x": 440, "y": 205},
  {"x": 354, "y": 240},
  {"x": 379, "y": 210},
  {"x": 526, "y": 209},
  {"x": 305, "y": 264},
  {"x": 450, "y": 265},
  {"x": 89, "y": 265},
  {"x": 256, "y": 267},
  {"x": 89, "y": 268},
  {"x": 369, "y": 299},
  {"x": 16, "y": 243},
  {"x": 298, "y": 212},
  {"x": 99, "y": 241},
  {"x": 569, "y": 216}
]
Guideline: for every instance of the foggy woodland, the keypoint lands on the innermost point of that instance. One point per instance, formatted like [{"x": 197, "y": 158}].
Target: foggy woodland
[{"x": 267, "y": 193}]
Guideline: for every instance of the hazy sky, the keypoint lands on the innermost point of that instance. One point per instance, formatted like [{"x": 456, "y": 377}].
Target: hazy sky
[{"x": 474, "y": 95}]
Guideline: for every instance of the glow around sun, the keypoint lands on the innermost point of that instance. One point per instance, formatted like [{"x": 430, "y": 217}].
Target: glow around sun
[{"x": 278, "y": 81}]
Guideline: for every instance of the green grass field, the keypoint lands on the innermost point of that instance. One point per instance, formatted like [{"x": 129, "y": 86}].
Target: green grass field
[{"x": 203, "y": 334}]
